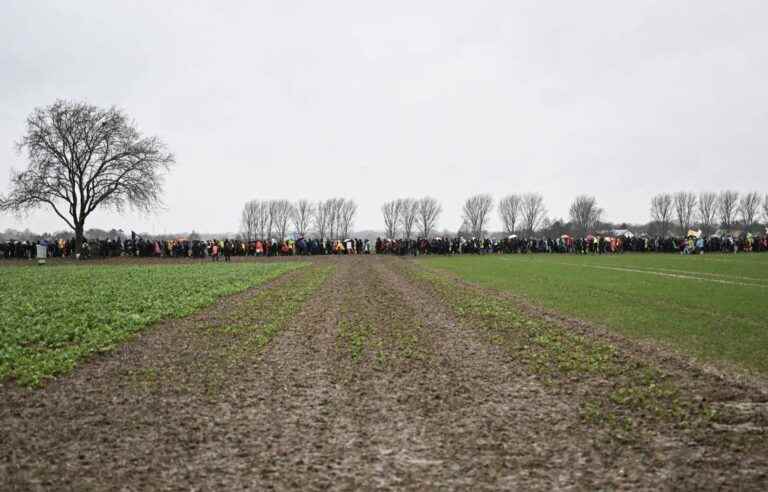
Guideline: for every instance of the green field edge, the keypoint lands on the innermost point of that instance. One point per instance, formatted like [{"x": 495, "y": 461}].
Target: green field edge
[{"x": 37, "y": 363}]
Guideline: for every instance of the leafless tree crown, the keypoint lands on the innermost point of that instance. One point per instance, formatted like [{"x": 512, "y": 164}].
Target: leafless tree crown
[
  {"x": 585, "y": 214},
  {"x": 661, "y": 212},
  {"x": 303, "y": 211},
  {"x": 348, "y": 213},
  {"x": 685, "y": 208},
  {"x": 727, "y": 204},
  {"x": 765, "y": 207},
  {"x": 249, "y": 220},
  {"x": 408, "y": 212},
  {"x": 391, "y": 212},
  {"x": 321, "y": 219},
  {"x": 509, "y": 212},
  {"x": 329, "y": 218},
  {"x": 749, "y": 208},
  {"x": 82, "y": 158},
  {"x": 532, "y": 211},
  {"x": 707, "y": 212},
  {"x": 475, "y": 213},
  {"x": 281, "y": 211},
  {"x": 428, "y": 211}
]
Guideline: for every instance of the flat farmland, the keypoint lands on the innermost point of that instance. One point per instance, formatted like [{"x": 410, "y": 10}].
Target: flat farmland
[
  {"x": 55, "y": 316},
  {"x": 374, "y": 372},
  {"x": 713, "y": 307}
]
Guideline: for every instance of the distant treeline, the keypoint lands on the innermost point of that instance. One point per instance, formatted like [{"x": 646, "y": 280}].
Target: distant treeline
[{"x": 671, "y": 215}]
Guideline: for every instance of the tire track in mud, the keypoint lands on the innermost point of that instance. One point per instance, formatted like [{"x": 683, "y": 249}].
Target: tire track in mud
[
  {"x": 418, "y": 401},
  {"x": 136, "y": 418},
  {"x": 369, "y": 379},
  {"x": 501, "y": 425},
  {"x": 725, "y": 448}
]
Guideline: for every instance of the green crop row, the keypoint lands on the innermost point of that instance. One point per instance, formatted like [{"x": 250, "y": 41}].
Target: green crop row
[{"x": 53, "y": 317}]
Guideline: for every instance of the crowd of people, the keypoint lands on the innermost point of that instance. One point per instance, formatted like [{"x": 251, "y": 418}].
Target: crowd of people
[
  {"x": 566, "y": 244},
  {"x": 216, "y": 249}
]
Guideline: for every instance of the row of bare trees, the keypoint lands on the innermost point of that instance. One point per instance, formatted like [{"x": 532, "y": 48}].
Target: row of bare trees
[
  {"x": 526, "y": 213},
  {"x": 328, "y": 219},
  {"x": 405, "y": 216},
  {"x": 409, "y": 215},
  {"x": 707, "y": 210},
  {"x": 518, "y": 213}
]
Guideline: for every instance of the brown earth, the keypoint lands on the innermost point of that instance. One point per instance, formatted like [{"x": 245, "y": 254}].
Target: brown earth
[{"x": 352, "y": 374}]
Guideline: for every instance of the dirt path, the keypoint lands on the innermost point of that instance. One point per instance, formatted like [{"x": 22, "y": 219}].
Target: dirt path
[{"x": 349, "y": 374}]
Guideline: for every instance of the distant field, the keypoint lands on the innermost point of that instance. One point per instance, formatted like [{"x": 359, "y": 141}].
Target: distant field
[
  {"x": 714, "y": 307},
  {"x": 54, "y": 316}
]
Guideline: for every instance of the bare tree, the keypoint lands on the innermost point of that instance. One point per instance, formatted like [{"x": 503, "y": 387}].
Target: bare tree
[
  {"x": 749, "y": 208},
  {"x": 707, "y": 213},
  {"x": 271, "y": 206},
  {"x": 335, "y": 206},
  {"x": 281, "y": 211},
  {"x": 347, "y": 217},
  {"x": 727, "y": 204},
  {"x": 427, "y": 212},
  {"x": 585, "y": 214},
  {"x": 661, "y": 212},
  {"x": 391, "y": 212},
  {"x": 509, "y": 212},
  {"x": 303, "y": 211},
  {"x": 82, "y": 158},
  {"x": 685, "y": 207},
  {"x": 475, "y": 213},
  {"x": 262, "y": 219},
  {"x": 765, "y": 208},
  {"x": 321, "y": 217},
  {"x": 407, "y": 215},
  {"x": 532, "y": 211},
  {"x": 249, "y": 220}
]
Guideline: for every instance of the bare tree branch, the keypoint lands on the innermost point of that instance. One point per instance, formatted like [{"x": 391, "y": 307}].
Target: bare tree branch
[
  {"x": 391, "y": 212},
  {"x": 348, "y": 212},
  {"x": 685, "y": 206},
  {"x": 407, "y": 216},
  {"x": 707, "y": 213},
  {"x": 281, "y": 212},
  {"x": 82, "y": 158},
  {"x": 475, "y": 213},
  {"x": 303, "y": 211},
  {"x": 427, "y": 212},
  {"x": 509, "y": 212},
  {"x": 727, "y": 204},
  {"x": 661, "y": 212},
  {"x": 765, "y": 208},
  {"x": 585, "y": 214},
  {"x": 533, "y": 212},
  {"x": 321, "y": 218},
  {"x": 749, "y": 207},
  {"x": 249, "y": 220}
]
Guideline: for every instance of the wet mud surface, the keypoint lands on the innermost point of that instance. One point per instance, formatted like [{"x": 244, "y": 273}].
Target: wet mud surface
[{"x": 353, "y": 374}]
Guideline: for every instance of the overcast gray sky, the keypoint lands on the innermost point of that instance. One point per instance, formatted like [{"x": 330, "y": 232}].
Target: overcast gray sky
[{"x": 378, "y": 100}]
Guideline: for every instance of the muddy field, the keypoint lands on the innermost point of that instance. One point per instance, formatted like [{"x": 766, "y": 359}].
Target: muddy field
[{"x": 372, "y": 372}]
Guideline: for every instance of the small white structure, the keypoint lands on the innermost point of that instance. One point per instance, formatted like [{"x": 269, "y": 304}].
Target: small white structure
[
  {"x": 42, "y": 254},
  {"x": 622, "y": 233}
]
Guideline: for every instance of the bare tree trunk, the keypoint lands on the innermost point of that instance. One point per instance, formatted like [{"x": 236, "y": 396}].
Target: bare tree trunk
[{"x": 79, "y": 236}]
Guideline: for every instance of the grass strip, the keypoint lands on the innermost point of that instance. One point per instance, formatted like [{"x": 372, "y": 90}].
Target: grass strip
[{"x": 619, "y": 391}]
